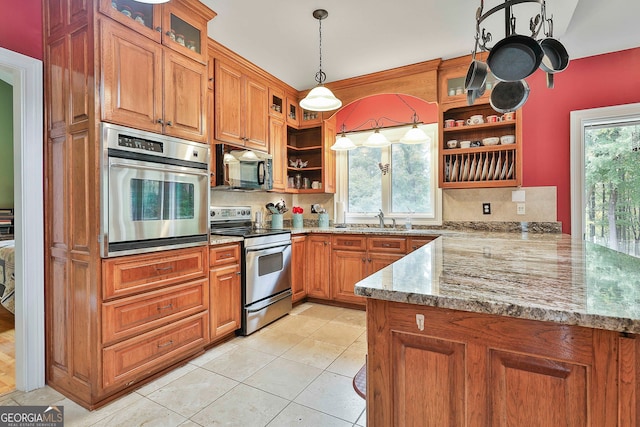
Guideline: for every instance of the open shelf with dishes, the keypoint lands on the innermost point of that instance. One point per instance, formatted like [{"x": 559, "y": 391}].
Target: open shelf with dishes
[
  {"x": 479, "y": 147},
  {"x": 304, "y": 160}
]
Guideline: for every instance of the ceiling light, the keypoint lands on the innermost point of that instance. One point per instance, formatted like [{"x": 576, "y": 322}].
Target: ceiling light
[
  {"x": 377, "y": 140},
  {"x": 343, "y": 143},
  {"x": 415, "y": 135},
  {"x": 320, "y": 98}
]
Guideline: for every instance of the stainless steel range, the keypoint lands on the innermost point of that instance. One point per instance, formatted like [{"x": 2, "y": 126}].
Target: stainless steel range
[{"x": 266, "y": 266}]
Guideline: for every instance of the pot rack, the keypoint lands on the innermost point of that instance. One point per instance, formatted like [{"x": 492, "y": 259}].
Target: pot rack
[{"x": 536, "y": 23}]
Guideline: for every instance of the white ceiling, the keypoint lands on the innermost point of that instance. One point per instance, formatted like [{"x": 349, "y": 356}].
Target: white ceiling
[{"x": 364, "y": 36}]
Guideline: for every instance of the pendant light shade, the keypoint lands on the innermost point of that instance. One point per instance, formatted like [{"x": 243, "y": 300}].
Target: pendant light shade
[
  {"x": 320, "y": 98},
  {"x": 415, "y": 135},
  {"x": 377, "y": 140},
  {"x": 343, "y": 143}
]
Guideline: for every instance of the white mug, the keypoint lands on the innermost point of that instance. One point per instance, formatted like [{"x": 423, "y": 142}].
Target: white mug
[{"x": 316, "y": 185}]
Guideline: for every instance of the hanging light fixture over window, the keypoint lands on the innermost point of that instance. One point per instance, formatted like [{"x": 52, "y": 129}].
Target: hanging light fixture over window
[
  {"x": 320, "y": 98},
  {"x": 415, "y": 135},
  {"x": 343, "y": 143}
]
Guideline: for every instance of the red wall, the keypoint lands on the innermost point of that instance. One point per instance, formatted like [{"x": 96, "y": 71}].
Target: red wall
[
  {"x": 383, "y": 107},
  {"x": 21, "y": 27},
  {"x": 592, "y": 82}
]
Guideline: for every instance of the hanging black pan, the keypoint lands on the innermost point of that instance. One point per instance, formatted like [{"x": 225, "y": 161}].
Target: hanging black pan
[
  {"x": 555, "y": 57},
  {"x": 509, "y": 96},
  {"x": 515, "y": 57}
]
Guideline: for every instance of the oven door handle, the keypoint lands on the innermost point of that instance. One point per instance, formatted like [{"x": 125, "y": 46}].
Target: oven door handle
[
  {"x": 269, "y": 251},
  {"x": 166, "y": 168}
]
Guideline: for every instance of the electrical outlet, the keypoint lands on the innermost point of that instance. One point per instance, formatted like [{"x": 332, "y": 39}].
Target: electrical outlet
[
  {"x": 486, "y": 208},
  {"x": 520, "y": 209}
]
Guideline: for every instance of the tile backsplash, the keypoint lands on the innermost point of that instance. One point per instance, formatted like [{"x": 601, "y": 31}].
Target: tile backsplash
[{"x": 458, "y": 204}]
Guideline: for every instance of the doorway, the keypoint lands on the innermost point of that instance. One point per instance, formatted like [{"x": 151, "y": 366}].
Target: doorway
[
  {"x": 605, "y": 151},
  {"x": 25, "y": 75}
]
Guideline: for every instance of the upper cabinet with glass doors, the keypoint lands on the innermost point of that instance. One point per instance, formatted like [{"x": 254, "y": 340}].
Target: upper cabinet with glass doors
[{"x": 179, "y": 24}]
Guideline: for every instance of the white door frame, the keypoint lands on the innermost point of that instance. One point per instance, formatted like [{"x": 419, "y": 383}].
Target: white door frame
[
  {"x": 580, "y": 119},
  {"x": 25, "y": 74}
]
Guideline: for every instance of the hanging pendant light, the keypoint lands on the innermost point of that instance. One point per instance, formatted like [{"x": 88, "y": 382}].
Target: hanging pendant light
[
  {"x": 320, "y": 98},
  {"x": 377, "y": 140},
  {"x": 343, "y": 143},
  {"x": 415, "y": 135}
]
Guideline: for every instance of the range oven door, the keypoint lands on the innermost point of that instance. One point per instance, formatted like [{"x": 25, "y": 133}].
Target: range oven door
[
  {"x": 267, "y": 272},
  {"x": 153, "y": 206},
  {"x": 267, "y": 285}
]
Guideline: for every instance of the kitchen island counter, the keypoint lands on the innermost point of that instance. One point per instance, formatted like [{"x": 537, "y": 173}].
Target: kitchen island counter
[
  {"x": 547, "y": 277},
  {"x": 483, "y": 329}
]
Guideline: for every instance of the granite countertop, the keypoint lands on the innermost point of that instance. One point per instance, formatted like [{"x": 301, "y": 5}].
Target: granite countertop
[
  {"x": 546, "y": 277},
  {"x": 221, "y": 240}
]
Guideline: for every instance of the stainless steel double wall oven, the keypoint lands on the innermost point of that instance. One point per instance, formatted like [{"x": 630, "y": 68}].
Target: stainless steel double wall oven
[{"x": 154, "y": 192}]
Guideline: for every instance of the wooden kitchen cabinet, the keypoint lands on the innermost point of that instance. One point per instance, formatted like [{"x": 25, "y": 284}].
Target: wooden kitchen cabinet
[
  {"x": 292, "y": 111},
  {"x": 318, "y": 266},
  {"x": 484, "y": 370},
  {"x": 355, "y": 257},
  {"x": 179, "y": 25},
  {"x": 241, "y": 106},
  {"x": 478, "y": 166},
  {"x": 298, "y": 267},
  {"x": 416, "y": 242},
  {"x": 149, "y": 87},
  {"x": 226, "y": 292},
  {"x": 114, "y": 323},
  {"x": 311, "y": 145},
  {"x": 278, "y": 151},
  {"x": 277, "y": 102}
]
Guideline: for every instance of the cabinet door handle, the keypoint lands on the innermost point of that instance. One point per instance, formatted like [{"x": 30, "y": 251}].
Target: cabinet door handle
[
  {"x": 167, "y": 268},
  {"x": 385, "y": 245},
  {"x": 159, "y": 29},
  {"x": 169, "y": 123},
  {"x": 170, "y": 305},
  {"x": 167, "y": 344},
  {"x": 160, "y": 121},
  {"x": 238, "y": 273},
  {"x": 364, "y": 260},
  {"x": 369, "y": 260}
]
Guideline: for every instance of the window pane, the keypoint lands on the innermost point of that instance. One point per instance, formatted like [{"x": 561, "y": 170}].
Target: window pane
[
  {"x": 612, "y": 186},
  {"x": 411, "y": 178},
  {"x": 365, "y": 184}
]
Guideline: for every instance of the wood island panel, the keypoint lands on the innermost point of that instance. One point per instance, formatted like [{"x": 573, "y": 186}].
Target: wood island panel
[{"x": 477, "y": 369}]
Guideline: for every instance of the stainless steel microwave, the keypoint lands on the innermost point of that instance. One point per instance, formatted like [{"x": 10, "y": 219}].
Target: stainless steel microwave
[{"x": 243, "y": 170}]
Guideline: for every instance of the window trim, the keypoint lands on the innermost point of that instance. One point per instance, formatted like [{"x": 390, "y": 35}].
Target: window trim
[
  {"x": 579, "y": 120},
  {"x": 342, "y": 189}
]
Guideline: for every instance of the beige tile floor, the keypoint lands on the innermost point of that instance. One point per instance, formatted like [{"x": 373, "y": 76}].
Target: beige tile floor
[{"x": 297, "y": 371}]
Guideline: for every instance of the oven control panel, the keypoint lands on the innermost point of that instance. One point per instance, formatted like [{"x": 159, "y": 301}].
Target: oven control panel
[{"x": 230, "y": 213}]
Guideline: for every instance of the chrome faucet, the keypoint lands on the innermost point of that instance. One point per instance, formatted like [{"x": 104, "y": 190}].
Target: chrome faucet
[{"x": 380, "y": 217}]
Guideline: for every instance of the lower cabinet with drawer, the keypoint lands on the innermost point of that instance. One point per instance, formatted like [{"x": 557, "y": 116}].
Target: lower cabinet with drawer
[
  {"x": 355, "y": 257},
  {"x": 225, "y": 290},
  {"x": 154, "y": 314}
]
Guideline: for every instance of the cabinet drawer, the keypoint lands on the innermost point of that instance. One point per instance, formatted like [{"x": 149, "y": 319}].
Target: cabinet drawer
[
  {"x": 133, "y": 315},
  {"x": 417, "y": 242},
  {"x": 136, "y": 358},
  {"x": 139, "y": 273},
  {"x": 223, "y": 255},
  {"x": 396, "y": 245},
  {"x": 353, "y": 243}
]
